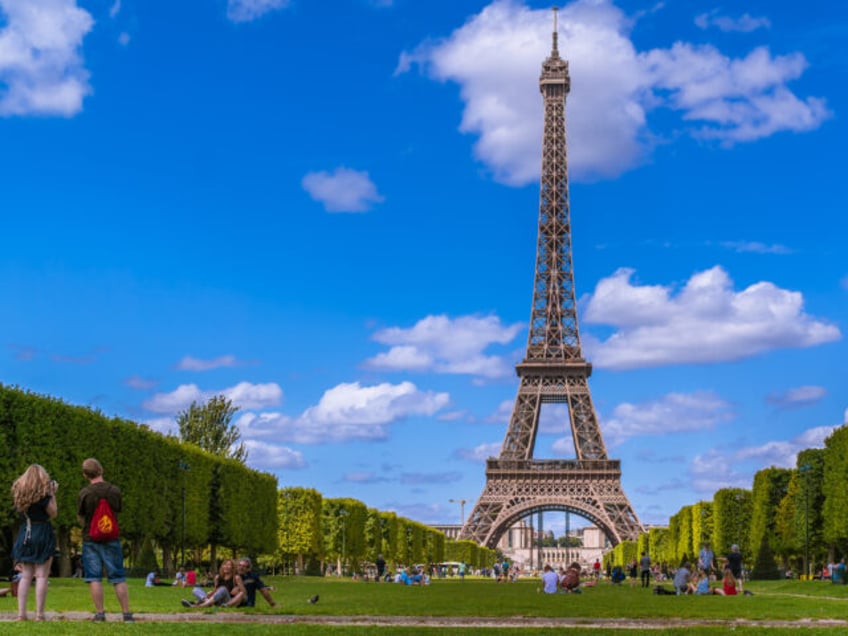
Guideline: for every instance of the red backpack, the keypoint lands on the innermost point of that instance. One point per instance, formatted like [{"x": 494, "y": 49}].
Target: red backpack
[{"x": 104, "y": 525}]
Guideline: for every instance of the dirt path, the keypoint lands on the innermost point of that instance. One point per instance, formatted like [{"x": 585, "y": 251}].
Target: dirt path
[{"x": 437, "y": 621}]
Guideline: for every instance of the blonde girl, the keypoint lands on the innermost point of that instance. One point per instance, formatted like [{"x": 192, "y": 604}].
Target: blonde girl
[{"x": 34, "y": 496}]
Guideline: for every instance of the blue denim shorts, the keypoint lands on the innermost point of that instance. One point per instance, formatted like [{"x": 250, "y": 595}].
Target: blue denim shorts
[{"x": 97, "y": 557}]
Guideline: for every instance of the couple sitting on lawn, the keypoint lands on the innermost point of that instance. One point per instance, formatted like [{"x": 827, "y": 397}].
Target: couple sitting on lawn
[{"x": 234, "y": 586}]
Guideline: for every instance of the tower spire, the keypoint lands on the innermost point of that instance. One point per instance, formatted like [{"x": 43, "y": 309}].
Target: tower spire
[{"x": 554, "y": 49}]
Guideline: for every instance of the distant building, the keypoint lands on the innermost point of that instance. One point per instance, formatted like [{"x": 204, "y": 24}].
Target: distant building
[{"x": 518, "y": 546}]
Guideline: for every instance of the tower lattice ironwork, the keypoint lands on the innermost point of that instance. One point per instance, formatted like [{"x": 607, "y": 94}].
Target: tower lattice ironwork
[{"x": 553, "y": 371}]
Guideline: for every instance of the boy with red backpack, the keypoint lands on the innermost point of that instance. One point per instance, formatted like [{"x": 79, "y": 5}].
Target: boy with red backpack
[{"x": 97, "y": 505}]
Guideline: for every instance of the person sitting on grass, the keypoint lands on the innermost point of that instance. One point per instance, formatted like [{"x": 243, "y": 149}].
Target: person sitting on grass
[
  {"x": 571, "y": 580},
  {"x": 681, "y": 579},
  {"x": 550, "y": 580},
  {"x": 180, "y": 578},
  {"x": 728, "y": 583},
  {"x": 701, "y": 584},
  {"x": 227, "y": 589},
  {"x": 153, "y": 579},
  {"x": 411, "y": 576},
  {"x": 252, "y": 583}
]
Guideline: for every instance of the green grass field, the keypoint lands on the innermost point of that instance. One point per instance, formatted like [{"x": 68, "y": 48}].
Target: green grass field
[{"x": 773, "y": 601}]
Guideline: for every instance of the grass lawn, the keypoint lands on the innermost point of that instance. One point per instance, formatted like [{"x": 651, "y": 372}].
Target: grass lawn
[{"x": 772, "y": 601}]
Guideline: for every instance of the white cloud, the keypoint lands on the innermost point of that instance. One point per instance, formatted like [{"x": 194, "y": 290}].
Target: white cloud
[
  {"x": 344, "y": 190},
  {"x": 480, "y": 453},
  {"x": 261, "y": 425},
  {"x": 243, "y": 395},
  {"x": 351, "y": 411},
  {"x": 264, "y": 456},
  {"x": 446, "y": 345},
  {"x": 743, "y": 24},
  {"x": 124, "y": 38},
  {"x": 249, "y": 10},
  {"x": 190, "y": 363},
  {"x": 735, "y": 99},
  {"x": 41, "y": 67},
  {"x": 673, "y": 413},
  {"x": 495, "y": 58},
  {"x": 706, "y": 321},
  {"x": 800, "y": 396},
  {"x": 347, "y": 412},
  {"x": 246, "y": 395},
  {"x": 720, "y": 468},
  {"x": 115, "y": 9},
  {"x": 177, "y": 400},
  {"x": 164, "y": 425}
]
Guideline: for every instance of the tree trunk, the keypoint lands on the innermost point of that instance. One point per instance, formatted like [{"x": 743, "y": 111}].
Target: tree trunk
[
  {"x": 63, "y": 538},
  {"x": 167, "y": 560}
]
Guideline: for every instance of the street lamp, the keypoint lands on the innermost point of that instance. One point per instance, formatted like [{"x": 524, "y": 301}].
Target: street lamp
[
  {"x": 806, "y": 470},
  {"x": 461, "y": 503}
]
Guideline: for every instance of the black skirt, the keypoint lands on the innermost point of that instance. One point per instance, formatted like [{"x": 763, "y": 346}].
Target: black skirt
[{"x": 38, "y": 547}]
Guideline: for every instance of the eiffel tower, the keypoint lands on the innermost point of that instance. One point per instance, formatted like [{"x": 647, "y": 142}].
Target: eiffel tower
[{"x": 553, "y": 371}]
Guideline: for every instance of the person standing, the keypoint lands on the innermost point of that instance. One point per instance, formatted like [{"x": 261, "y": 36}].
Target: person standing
[
  {"x": 99, "y": 556},
  {"x": 645, "y": 566},
  {"x": 381, "y": 568},
  {"x": 734, "y": 564},
  {"x": 706, "y": 558},
  {"x": 34, "y": 496}
]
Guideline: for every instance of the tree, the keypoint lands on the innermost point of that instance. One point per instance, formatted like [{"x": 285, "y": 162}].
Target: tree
[
  {"x": 702, "y": 525},
  {"x": 210, "y": 427},
  {"x": 299, "y": 524},
  {"x": 835, "y": 490},
  {"x": 731, "y": 521},
  {"x": 770, "y": 487}
]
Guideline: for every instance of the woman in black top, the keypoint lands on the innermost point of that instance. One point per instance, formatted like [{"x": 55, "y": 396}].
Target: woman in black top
[
  {"x": 227, "y": 591},
  {"x": 34, "y": 495}
]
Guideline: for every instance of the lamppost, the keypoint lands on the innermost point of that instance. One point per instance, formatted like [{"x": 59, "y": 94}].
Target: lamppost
[
  {"x": 805, "y": 469},
  {"x": 184, "y": 467},
  {"x": 461, "y": 503}
]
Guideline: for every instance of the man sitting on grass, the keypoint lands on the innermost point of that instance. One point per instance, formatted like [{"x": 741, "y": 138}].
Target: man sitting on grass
[
  {"x": 252, "y": 582},
  {"x": 681, "y": 579}
]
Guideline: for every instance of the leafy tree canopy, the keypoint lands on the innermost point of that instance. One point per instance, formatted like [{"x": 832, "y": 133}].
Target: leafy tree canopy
[{"x": 210, "y": 427}]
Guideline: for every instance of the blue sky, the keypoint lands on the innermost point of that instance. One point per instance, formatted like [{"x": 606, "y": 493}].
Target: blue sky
[{"x": 327, "y": 212}]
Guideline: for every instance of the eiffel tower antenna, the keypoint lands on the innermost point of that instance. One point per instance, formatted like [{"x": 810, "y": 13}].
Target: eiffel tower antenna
[
  {"x": 553, "y": 371},
  {"x": 554, "y": 49}
]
